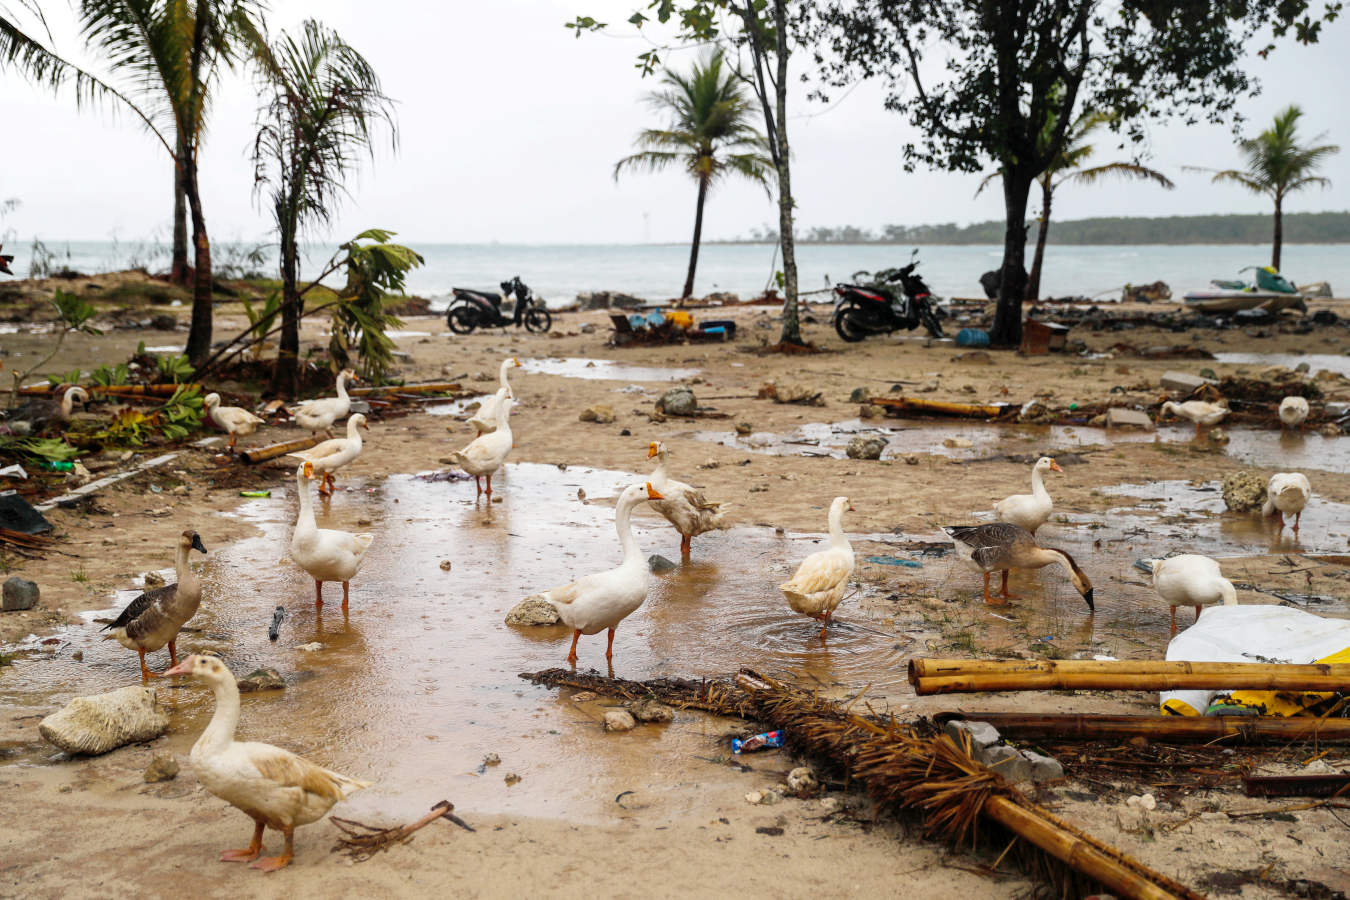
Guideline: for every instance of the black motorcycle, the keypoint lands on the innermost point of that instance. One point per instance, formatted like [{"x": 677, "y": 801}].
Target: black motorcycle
[
  {"x": 472, "y": 309},
  {"x": 877, "y": 308}
]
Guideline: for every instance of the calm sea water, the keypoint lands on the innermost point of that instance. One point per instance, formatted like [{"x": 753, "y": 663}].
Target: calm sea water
[{"x": 656, "y": 271}]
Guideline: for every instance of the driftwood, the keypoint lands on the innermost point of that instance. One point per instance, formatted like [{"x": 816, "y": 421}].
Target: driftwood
[
  {"x": 272, "y": 451},
  {"x": 1171, "y": 729},
  {"x": 953, "y": 676},
  {"x": 361, "y": 841}
]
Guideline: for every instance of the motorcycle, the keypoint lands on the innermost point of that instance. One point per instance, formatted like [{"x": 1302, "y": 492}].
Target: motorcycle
[
  {"x": 877, "y": 308},
  {"x": 472, "y": 309}
]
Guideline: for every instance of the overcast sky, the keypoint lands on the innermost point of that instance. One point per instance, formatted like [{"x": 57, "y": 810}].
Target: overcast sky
[{"x": 510, "y": 126}]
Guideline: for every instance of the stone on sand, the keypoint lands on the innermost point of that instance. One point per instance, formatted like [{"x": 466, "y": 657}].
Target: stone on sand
[
  {"x": 619, "y": 720},
  {"x": 19, "y": 594},
  {"x": 1244, "y": 491},
  {"x": 262, "y": 680},
  {"x": 164, "y": 767},
  {"x": 649, "y": 710},
  {"x": 102, "y": 722},
  {"x": 600, "y": 414},
  {"x": 866, "y": 446},
  {"x": 678, "y": 401},
  {"x": 533, "y": 611}
]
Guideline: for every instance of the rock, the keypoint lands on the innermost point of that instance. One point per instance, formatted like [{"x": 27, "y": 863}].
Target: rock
[
  {"x": 792, "y": 392},
  {"x": 763, "y": 798},
  {"x": 152, "y": 580},
  {"x": 1303, "y": 368},
  {"x": 865, "y": 446},
  {"x": 18, "y": 594},
  {"x": 859, "y": 395},
  {"x": 262, "y": 680},
  {"x": 649, "y": 710},
  {"x": 802, "y": 780},
  {"x": 678, "y": 401},
  {"x": 1244, "y": 491},
  {"x": 492, "y": 759},
  {"x": 163, "y": 767},
  {"x": 511, "y": 778},
  {"x": 957, "y": 443},
  {"x": 982, "y": 734},
  {"x": 744, "y": 428},
  {"x": 1183, "y": 382},
  {"x": 1120, "y": 417},
  {"x": 658, "y": 563},
  {"x": 1330, "y": 429},
  {"x": 533, "y": 611},
  {"x": 102, "y": 722},
  {"x": 600, "y": 414},
  {"x": 830, "y": 804},
  {"x": 619, "y": 720},
  {"x": 871, "y": 411},
  {"x": 1043, "y": 768},
  {"x": 1007, "y": 762},
  {"x": 1218, "y": 436},
  {"x": 445, "y": 565},
  {"x": 977, "y": 357},
  {"x": 1143, "y": 801},
  {"x": 911, "y": 460}
]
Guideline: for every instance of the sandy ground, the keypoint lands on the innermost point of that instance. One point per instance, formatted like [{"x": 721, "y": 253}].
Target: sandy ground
[{"x": 92, "y": 828}]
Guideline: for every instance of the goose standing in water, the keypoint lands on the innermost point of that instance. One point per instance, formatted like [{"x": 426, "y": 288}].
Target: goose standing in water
[
  {"x": 487, "y": 453},
  {"x": 1030, "y": 510},
  {"x": 1293, "y": 412},
  {"x": 817, "y": 588},
  {"x": 1191, "y": 580},
  {"x": 1288, "y": 492},
  {"x": 1201, "y": 412},
  {"x": 325, "y": 553},
  {"x": 683, "y": 506},
  {"x": 320, "y": 414},
  {"x": 333, "y": 454},
  {"x": 1000, "y": 546},
  {"x": 155, "y": 617},
  {"x": 485, "y": 419}
]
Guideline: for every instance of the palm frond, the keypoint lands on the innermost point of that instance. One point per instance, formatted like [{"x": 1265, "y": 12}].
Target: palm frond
[
  {"x": 647, "y": 161},
  {"x": 1121, "y": 170}
]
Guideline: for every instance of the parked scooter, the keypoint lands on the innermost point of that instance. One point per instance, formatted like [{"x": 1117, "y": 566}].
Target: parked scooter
[
  {"x": 879, "y": 308},
  {"x": 472, "y": 309}
]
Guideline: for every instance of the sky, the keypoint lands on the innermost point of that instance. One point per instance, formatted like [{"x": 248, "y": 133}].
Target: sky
[{"x": 509, "y": 127}]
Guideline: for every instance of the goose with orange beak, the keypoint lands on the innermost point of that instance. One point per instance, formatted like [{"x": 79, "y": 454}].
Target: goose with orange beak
[
  {"x": 325, "y": 553},
  {"x": 1030, "y": 511},
  {"x": 332, "y": 455},
  {"x": 683, "y": 506},
  {"x": 817, "y": 588},
  {"x": 485, "y": 420},
  {"x": 594, "y": 603}
]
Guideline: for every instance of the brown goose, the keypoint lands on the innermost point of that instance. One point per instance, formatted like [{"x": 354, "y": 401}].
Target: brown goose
[
  {"x": 154, "y": 618},
  {"x": 1000, "y": 546}
]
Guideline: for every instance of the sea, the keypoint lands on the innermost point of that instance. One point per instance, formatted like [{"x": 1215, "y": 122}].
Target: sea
[{"x": 559, "y": 272}]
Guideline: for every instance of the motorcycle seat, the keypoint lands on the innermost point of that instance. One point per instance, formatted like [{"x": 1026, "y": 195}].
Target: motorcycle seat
[{"x": 495, "y": 298}]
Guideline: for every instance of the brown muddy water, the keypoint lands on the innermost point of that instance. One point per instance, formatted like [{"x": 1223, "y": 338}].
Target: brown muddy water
[
  {"x": 603, "y": 370},
  {"x": 420, "y": 682}
]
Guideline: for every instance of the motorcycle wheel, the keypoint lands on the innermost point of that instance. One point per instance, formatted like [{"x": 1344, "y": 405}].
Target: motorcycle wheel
[
  {"x": 847, "y": 326},
  {"x": 931, "y": 323},
  {"x": 461, "y": 320},
  {"x": 538, "y": 320}
]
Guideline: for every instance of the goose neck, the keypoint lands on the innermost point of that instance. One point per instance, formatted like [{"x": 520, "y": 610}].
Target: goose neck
[
  {"x": 506, "y": 364},
  {"x": 342, "y": 386},
  {"x": 1038, "y": 484},
  {"x": 623, "y": 524},
  {"x": 219, "y": 732},
  {"x": 837, "y": 538},
  {"x": 306, "y": 518}
]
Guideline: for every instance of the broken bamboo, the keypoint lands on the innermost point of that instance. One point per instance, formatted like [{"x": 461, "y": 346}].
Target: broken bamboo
[
  {"x": 1180, "y": 729},
  {"x": 954, "y": 676},
  {"x": 272, "y": 451},
  {"x": 944, "y": 408},
  {"x": 431, "y": 387},
  {"x": 115, "y": 390}
]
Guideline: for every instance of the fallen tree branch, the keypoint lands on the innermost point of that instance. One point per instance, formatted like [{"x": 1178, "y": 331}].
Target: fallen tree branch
[{"x": 362, "y": 841}]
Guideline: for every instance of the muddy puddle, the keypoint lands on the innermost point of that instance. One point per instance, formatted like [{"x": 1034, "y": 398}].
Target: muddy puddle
[
  {"x": 1288, "y": 451},
  {"x": 604, "y": 370},
  {"x": 420, "y": 682},
  {"x": 1316, "y": 361}
]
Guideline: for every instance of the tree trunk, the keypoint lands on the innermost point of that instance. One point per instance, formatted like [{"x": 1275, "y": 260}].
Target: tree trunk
[
  {"x": 698, "y": 236},
  {"x": 792, "y": 330},
  {"x": 178, "y": 270},
  {"x": 199, "y": 335},
  {"x": 1007, "y": 330},
  {"x": 1279, "y": 233},
  {"x": 1042, "y": 232},
  {"x": 285, "y": 375}
]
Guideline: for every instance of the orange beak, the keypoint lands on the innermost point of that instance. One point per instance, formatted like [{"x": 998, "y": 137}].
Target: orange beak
[
  {"x": 1054, "y": 466},
  {"x": 652, "y": 449},
  {"x": 309, "y": 469},
  {"x": 516, "y": 361},
  {"x": 850, "y": 508},
  {"x": 365, "y": 425},
  {"x": 653, "y": 493},
  {"x": 183, "y": 668}
]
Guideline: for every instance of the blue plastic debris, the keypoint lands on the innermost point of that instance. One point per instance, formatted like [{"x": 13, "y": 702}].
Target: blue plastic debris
[{"x": 895, "y": 561}]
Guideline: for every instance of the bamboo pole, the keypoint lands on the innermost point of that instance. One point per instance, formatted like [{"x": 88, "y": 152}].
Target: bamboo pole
[
  {"x": 1182, "y": 729},
  {"x": 944, "y": 407},
  {"x": 116, "y": 390},
  {"x": 272, "y": 451},
  {"x": 432, "y": 387},
  {"x": 967, "y": 676}
]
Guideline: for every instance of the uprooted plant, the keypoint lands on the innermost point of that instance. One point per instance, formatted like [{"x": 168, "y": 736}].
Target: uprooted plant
[{"x": 73, "y": 314}]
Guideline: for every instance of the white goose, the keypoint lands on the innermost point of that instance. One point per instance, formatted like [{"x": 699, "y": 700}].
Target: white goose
[
  {"x": 1191, "y": 580},
  {"x": 320, "y": 414},
  {"x": 274, "y": 787},
  {"x": 819, "y": 584},
  {"x": 1288, "y": 492},
  {"x": 1030, "y": 510},
  {"x": 684, "y": 506},
  {"x": 1201, "y": 412},
  {"x": 231, "y": 419},
  {"x": 485, "y": 419},
  {"x": 601, "y": 601},
  {"x": 325, "y": 553},
  {"x": 1293, "y": 411},
  {"x": 333, "y": 454},
  {"x": 486, "y": 453}
]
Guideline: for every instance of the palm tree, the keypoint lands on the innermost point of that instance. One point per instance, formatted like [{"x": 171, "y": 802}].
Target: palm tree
[
  {"x": 1278, "y": 165},
  {"x": 322, "y": 103},
  {"x": 710, "y": 135},
  {"x": 1068, "y": 169}
]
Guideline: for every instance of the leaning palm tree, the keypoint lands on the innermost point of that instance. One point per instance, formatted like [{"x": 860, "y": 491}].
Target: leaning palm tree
[
  {"x": 1277, "y": 165},
  {"x": 1068, "y": 168},
  {"x": 322, "y": 103},
  {"x": 710, "y": 135}
]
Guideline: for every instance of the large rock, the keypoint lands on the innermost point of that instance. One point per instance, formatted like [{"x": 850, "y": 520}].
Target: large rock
[
  {"x": 619, "y": 720},
  {"x": 865, "y": 446},
  {"x": 1043, "y": 768},
  {"x": 792, "y": 392},
  {"x": 982, "y": 734},
  {"x": 164, "y": 767},
  {"x": 600, "y": 413},
  {"x": 262, "y": 680},
  {"x": 649, "y": 710},
  {"x": 19, "y": 593},
  {"x": 1006, "y": 761},
  {"x": 1244, "y": 491},
  {"x": 1182, "y": 381},
  {"x": 533, "y": 611},
  {"x": 678, "y": 401},
  {"x": 1120, "y": 417},
  {"x": 103, "y": 722}
]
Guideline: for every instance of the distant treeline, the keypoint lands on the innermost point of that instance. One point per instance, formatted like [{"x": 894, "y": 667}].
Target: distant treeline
[{"x": 1299, "y": 228}]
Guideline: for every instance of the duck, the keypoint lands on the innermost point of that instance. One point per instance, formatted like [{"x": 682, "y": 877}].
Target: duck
[
  {"x": 818, "y": 585},
  {"x": 594, "y": 603},
  {"x": 1288, "y": 492},
  {"x": 333, "y": 454},
  {"x": 486, "y": 453},
  {"x": 1190, "y": 579},
  {"x": 485, "y": 419},
  {"x": 1031, "y": 511},
  {"x": 1000, "y": 546},
  {"x": 684, "y": 506},
  {"x": 325, "y": 553},
  {"x": 232, "y": 419},
  {"x": 1293, "y": 411},
  {"x": 275, "y": 788},
  {"x": 36, "y": 415},
  {"x": 1201, "y": 412},
  {"x": 154, "y": 618},
  {"x": 320, "y": 414}
]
